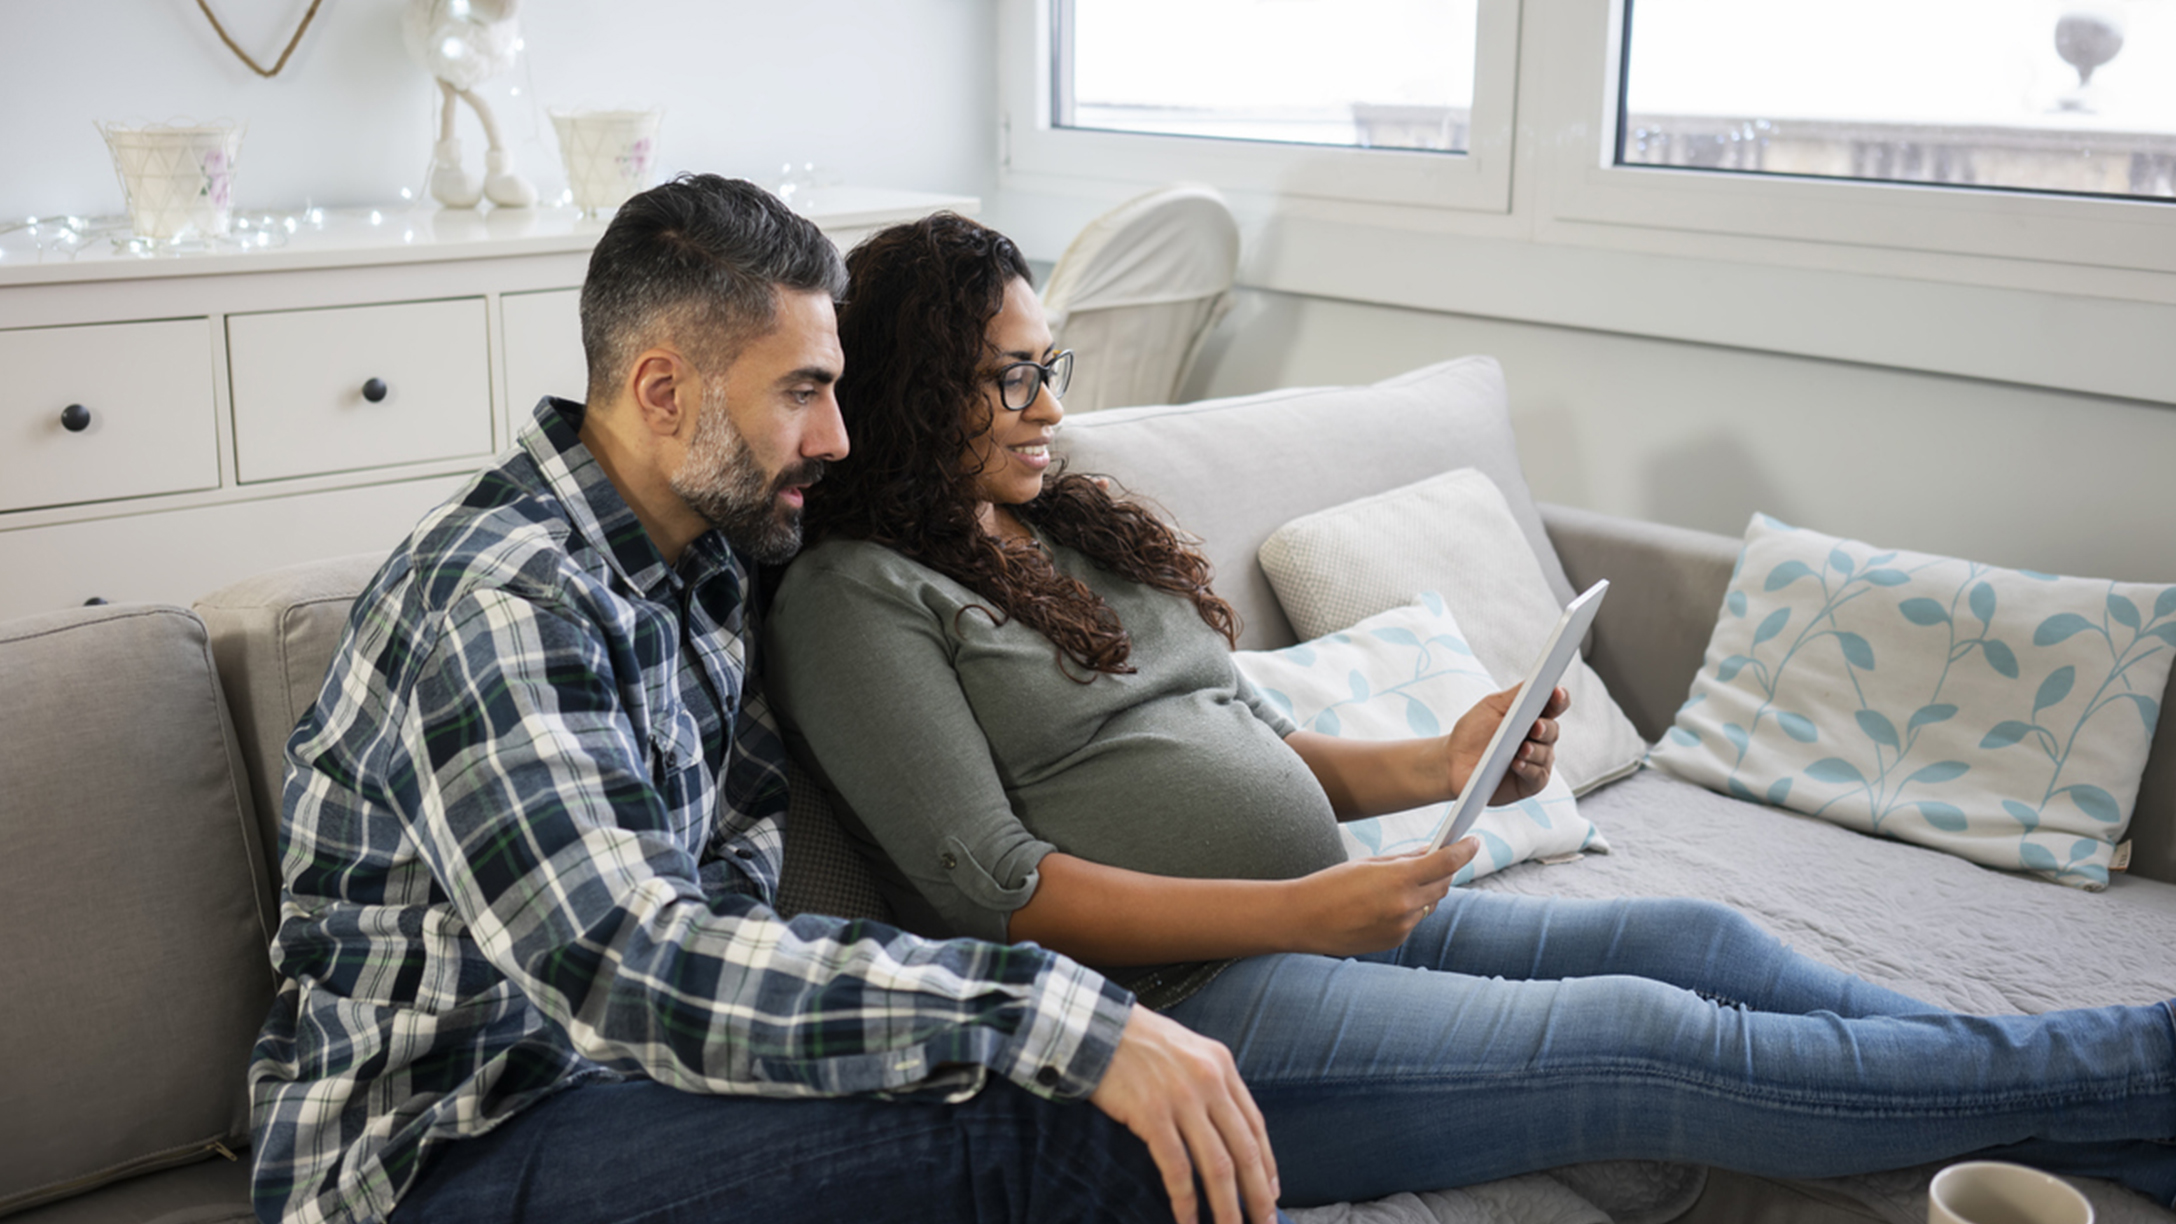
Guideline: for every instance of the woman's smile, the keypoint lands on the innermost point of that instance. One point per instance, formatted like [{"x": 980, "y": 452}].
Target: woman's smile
[{"x": 1035, "y": 455}]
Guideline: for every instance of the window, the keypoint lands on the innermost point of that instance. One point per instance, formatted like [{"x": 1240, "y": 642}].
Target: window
[
  {"x": 1379, "y": 101},
  {"x": 1605, "y": 190},
  {"x": 2033, "y": 95},
  {"x": 1922, "y": 254},
  {"x": 1382, "y": 74}
]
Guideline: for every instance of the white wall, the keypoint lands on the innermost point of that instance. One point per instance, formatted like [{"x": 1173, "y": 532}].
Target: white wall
[
  {"x": 1702, "y": 436},
  {"x": 896, "y": 94}
]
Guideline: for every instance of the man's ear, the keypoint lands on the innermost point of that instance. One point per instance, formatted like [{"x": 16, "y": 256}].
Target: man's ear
[{"x": 667, "y": 391}]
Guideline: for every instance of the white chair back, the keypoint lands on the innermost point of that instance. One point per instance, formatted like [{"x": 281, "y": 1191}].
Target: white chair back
[{"x": 1137, "y": 293}]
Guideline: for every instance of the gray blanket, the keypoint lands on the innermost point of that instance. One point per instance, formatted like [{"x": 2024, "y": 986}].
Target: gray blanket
[{"x": 1916, "y": 920}]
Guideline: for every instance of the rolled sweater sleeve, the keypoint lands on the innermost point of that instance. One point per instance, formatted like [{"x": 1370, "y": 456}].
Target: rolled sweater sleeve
[
  {"x": 1266, "y": 710},
  {"x": 864, "y": 670},
  {"x": 530, "y": 795}
]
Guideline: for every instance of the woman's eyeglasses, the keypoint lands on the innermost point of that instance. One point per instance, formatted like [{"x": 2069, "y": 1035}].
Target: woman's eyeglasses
[{"x": 1019, "y": 383}]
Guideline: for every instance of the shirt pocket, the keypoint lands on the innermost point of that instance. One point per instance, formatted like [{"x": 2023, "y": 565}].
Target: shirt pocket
[{"x": 676, "y": 770}]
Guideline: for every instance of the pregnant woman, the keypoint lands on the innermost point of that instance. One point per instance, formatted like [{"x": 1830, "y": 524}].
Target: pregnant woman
[{"x": 1019, "y": 687}]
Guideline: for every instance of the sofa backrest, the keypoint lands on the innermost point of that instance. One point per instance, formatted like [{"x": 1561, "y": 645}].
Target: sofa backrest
[
  {"x": 273, "y": 636},
  {"x": 2153, "y": 821},
  {"x": 134, "y": 968}
]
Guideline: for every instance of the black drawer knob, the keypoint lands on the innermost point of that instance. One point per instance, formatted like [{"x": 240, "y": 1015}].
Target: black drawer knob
[
  {"x": 95, "y": 601},
  {"x": 374, "y": 390},
  {"x": 75, "y": 418}
]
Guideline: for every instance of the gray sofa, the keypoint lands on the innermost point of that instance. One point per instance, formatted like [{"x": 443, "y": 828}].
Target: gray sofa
[{"x": 139, "y": 820}]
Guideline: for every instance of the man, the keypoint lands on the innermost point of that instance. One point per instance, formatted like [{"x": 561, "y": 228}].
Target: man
[{"x": 529, "y": 968}]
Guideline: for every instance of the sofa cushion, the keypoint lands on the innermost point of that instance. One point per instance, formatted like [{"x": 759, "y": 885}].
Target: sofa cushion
[
  {"x": 1997, "y": 714},
  {"x": 825, "y": 870},
  {"x": 136, "y": 915},
  {"x": 208, "y": 1192},
  {"x": 1453, "y": 533},
  {"x": 1231, "y": 471},
  {"x": 273, "y": 636},
  {"x": 1403, "y": 674},
  {"x": 1907, "y": 917}
]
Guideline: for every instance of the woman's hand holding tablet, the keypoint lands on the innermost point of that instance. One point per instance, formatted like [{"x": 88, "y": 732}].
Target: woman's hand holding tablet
[{"x": 1531, "y": 701}]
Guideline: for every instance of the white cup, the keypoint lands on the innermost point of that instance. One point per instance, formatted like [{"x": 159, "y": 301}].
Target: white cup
[
  {"x": 608, "y": 154},
  {"x": 1991, "y": 1192}
]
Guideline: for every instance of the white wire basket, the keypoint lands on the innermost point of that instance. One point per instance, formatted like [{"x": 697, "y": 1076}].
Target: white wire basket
[
  {"x": 609, "y": 154},
  {"x": 179, "y": 178}
]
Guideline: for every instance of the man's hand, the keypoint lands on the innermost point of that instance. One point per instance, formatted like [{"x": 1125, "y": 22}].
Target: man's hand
[
  {"x": 1181, "y": 1093},
  {"x": 1530, "y": 769},
  {"x": 1370, "y": 904}
]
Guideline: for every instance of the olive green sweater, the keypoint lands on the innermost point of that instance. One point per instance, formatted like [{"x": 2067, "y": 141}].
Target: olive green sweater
[{"x": 963, "y": 750}]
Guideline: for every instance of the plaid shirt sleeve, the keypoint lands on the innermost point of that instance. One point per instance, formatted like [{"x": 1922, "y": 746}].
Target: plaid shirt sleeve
[{"x": 531, "y": 797}]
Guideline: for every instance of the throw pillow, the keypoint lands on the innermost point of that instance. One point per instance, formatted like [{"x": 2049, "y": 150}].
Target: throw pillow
[
  {"x": 2001, "y": 715},
  {"x": 1402, "y": 674},
  {"x": 1454, "y": 534}
]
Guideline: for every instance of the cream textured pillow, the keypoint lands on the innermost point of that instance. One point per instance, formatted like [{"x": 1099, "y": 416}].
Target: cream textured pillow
[
  {"x": 2001, "y": 715},
  {"x": 1403, "y": 674},
  {"x": 1452, "y": 534}
]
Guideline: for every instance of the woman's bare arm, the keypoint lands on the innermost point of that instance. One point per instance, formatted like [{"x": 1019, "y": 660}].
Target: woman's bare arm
[
  {"x": 1112, "y": 916},
  {"x": 1370, "y": 777}
]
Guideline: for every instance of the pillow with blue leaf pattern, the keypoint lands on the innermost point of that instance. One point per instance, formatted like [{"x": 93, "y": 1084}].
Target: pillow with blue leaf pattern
[
  {"x": 2001, "y": 715},
  {"x": 1404, "y": 674}
]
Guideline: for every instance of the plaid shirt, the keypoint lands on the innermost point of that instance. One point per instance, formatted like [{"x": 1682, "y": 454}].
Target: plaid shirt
[{"x": 532, "y": 837}]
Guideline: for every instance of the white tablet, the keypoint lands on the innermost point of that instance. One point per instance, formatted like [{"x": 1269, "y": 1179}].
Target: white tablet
[{"x": 1556, "y": 655}]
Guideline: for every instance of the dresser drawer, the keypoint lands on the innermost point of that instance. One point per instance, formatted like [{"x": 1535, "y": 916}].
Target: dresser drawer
[
  {"x": 356, "y": 387},
  {"x": 106, "y": 411},
  {"x": 543, "y": 349}
]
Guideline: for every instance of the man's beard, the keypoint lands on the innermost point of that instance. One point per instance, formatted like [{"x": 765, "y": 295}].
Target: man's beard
[{"x": 724, "y": 483}]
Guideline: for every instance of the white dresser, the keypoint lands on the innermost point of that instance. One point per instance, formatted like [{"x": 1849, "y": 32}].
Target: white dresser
[{"x": 171, "y": 424}]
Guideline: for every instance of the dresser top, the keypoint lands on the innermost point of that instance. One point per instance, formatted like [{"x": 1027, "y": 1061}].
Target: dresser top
[{"x": 62, "y": 250}]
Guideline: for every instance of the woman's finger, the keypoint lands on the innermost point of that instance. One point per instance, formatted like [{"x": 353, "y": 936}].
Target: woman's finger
[{"x": 1464, "y": 849}]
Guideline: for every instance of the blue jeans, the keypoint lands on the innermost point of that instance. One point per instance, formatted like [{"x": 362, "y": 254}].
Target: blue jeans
[
  {"x": 1510, "y": 1034},
  {"x": 642, "y": 1151}
]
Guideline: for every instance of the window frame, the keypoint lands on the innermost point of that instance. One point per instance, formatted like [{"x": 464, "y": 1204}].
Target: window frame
[{"x": 1477, "y": 180}]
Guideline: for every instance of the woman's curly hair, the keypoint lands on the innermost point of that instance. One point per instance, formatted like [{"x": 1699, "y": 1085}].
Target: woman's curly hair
[{"x": 919, "y": 301}]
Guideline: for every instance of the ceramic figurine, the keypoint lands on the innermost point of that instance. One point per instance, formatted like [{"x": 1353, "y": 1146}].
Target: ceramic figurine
[{"x": 465, "y": 43}]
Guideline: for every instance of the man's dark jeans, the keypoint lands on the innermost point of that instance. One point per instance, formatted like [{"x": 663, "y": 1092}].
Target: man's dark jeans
[{"x": 641, "y": 1151}]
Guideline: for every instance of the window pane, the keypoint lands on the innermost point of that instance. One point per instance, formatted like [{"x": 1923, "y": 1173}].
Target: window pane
[
  {"x": 2039, "y": 95},
  {"x": 1391, "y": 74}
]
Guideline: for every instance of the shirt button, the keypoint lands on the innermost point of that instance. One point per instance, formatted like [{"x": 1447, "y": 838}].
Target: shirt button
[
  {"x": 1048, "y": 1077},
  {"x": 744, "y": 852},
  {"x": 949, "y": 861}
]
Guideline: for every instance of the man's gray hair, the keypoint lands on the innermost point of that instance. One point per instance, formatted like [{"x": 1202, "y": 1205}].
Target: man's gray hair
[{"x": 696, "y": 262}]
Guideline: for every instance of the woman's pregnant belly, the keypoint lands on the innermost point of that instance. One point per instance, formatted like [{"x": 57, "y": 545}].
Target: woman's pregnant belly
[{"x": 1189, "y": 785}]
